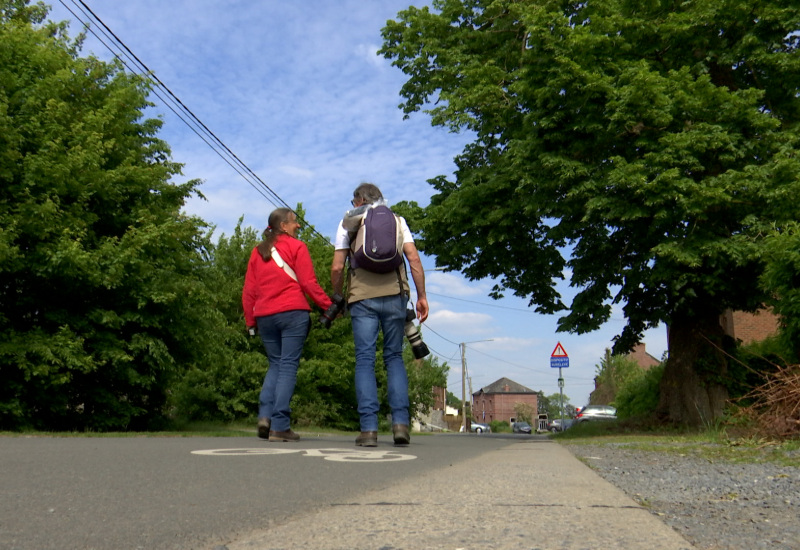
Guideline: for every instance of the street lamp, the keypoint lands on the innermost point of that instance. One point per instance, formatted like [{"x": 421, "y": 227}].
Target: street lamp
[{"x": 463, "y": 346}]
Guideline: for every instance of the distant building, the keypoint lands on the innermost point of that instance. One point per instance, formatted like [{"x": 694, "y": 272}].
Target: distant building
[
  {"x": 436, "y": 418},
  {"x": 496, "y": 401},
  {"x": 642, "y": 358},
  {"x": 439, "y": 398}
]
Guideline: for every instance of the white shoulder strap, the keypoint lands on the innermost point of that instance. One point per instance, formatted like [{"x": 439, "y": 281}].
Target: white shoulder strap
[{"x": 280, "y": 263}]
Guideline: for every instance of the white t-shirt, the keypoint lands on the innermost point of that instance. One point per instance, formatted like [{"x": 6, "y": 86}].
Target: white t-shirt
[{"x": 342, "y": 240}]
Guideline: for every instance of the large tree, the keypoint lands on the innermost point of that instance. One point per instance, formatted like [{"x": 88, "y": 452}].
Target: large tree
[
  {"x": 643, "y": 147},
  {"x": 103, "y": 302}
]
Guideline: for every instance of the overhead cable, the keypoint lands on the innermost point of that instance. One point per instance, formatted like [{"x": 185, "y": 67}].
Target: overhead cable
[{"x": 133, "y": 64}]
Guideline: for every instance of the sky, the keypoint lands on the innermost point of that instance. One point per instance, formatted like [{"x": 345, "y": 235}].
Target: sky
[{"x": 298, "y": 93}]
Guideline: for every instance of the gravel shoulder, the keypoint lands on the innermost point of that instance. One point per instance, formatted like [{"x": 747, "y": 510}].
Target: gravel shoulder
[{"x": 713, "y": 503}]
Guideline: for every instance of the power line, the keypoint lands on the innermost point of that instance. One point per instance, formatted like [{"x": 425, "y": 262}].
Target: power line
[
  {"x": 541, "y": 371},
  {"x": 131, "y": 62},
  {"x": 484, "y": 303},
  {"x": 428, "y": 327}
]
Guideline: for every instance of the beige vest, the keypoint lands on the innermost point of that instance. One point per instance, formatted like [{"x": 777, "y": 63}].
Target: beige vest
[{"x": 363, "y": 284}]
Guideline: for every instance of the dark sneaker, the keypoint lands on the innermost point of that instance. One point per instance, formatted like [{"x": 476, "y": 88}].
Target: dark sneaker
[
  {"x": 288, "y": 435},
  {"x": 367, "y": 439},
  {"x": 400, "y": 433},
  {"x": 263, "y": 428}
]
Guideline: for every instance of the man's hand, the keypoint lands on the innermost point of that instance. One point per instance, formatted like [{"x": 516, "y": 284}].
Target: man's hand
[
  {"x": 422, "y": 309},
  {"x": 418, "y": 275}
]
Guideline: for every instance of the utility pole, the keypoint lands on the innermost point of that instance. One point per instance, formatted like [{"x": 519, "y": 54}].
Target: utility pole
[
  {"x": 463, "y": 346},
  {"x": 463, "y": 386}
]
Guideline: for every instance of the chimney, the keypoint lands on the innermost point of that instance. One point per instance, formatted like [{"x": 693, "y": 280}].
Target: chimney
[{"x": 506, "y": 388}]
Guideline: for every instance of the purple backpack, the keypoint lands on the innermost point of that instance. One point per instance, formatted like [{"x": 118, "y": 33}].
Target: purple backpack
[{"x": 378, "y": 244}]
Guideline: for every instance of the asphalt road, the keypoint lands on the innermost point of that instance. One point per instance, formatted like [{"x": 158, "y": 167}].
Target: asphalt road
[{"x": 161, "y": 493}]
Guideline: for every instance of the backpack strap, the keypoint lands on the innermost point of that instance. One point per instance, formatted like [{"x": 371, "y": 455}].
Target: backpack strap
[{"x": 280, "y": 263}]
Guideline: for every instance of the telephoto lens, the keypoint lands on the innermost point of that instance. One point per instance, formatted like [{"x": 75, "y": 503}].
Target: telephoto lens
[
  {"x": 333, "y": 310},
  {"x": 418, "y": 347}
]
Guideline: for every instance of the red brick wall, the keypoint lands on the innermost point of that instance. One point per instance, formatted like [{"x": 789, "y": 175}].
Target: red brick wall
[
  {"x": 642, "y": 358},
  {"x": 750, "y": 327},
  {"x": 439, "y": 398},
  {"x": 500, "y": 406}
]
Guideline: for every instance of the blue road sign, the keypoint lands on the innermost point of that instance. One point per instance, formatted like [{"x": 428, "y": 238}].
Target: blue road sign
[{"x": 559, "y": 362}]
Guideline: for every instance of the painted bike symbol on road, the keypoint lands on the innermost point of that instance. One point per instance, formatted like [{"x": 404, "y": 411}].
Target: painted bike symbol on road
[{"x": 336, "y": 455}]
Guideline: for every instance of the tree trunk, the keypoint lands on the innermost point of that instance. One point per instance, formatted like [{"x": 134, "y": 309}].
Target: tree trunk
[{"x": 692, "y": 388}]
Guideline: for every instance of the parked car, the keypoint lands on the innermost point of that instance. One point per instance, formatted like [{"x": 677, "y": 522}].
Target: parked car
[
  {"x": 477, "y": 427},
  {"x": 596, "y": 412},
  {"x": 521, "y": 428},
  {"x": 556, "y": 424}
]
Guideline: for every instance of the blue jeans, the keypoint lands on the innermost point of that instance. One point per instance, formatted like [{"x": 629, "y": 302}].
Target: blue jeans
[
  {"x": 283, "y": 335},
  {"x": 387, "y": 313}
]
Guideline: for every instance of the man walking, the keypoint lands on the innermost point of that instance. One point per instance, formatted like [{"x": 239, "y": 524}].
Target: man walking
[{"x": 377, "y": 301}]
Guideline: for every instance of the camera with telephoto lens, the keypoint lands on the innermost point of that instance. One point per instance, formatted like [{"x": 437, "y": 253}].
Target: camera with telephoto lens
[
  {"x": 414, "y": 337},
  {"x": 333, "y": 310}
]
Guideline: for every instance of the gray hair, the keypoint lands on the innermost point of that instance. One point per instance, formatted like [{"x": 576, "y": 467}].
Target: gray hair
[{"x": 368, "y": 192}]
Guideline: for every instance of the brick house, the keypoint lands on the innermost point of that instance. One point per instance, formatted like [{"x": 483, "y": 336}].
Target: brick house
[
  {"x": 439, "y": 398},
  {"x": 642, "y": 358},
  {"x": 750, "y": 327},
  {"x": 496, "y": 401}
]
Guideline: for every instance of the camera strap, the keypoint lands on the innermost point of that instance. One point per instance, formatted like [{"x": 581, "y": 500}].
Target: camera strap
[{"x": 283, "y": 265}]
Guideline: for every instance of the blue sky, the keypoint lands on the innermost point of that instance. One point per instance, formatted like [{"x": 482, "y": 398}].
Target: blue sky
[{"x": 297, "y": 92}]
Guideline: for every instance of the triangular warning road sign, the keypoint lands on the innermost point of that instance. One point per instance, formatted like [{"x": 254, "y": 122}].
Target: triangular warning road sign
[{"x": 559, "y": 351}]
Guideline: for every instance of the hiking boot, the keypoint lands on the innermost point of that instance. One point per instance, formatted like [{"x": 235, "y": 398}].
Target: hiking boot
[
  {"x": 288, "y": 435},
  {"x": 400, "y": 433},
  {"x": 263, "y": 428},
  {"x": 367, "y": 439}
]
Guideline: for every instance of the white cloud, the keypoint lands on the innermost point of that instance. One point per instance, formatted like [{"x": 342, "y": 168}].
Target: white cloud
[
  {"x": 369, "y": 53},
  {"x": 453, "y": 323},
  {"x": 296, "y": 171},
  {"x": 453, "y": 285}
]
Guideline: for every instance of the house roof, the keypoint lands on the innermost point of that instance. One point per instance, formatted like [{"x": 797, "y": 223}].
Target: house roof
[{"x": 505, "y": 385}]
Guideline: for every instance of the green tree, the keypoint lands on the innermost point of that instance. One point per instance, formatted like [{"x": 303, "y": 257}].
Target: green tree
[
  {"x": 781, "y": 281},
  {"x": 101, "y": 305},
  {"x": 553, "y": 406},
  {"x": 453, "y": 401},
  {"x": 639, "y": 398},
  {"x": 614, "y": 373},
  {"x": 645, "y": 147},
  {"x": 423, "y": 375},
  {"x": 524, "y": 412},
  {"x": 226, "y": 386}
]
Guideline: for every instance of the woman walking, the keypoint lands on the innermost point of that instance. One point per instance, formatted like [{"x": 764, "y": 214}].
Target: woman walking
[{"x": 279, "y": 276}]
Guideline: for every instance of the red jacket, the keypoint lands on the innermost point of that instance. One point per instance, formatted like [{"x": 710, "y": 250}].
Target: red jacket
[{"x": 268, "y": 289}]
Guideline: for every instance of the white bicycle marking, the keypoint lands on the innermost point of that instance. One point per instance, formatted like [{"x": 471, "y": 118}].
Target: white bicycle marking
[
  {"x": 336, "y": 455},
  {"x": 346, "y": 455}
]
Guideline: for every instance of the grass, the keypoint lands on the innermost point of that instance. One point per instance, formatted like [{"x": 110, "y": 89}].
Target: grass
[
  {"x": 199, "y": 429},
  {"x": 713, "y": 445}
]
